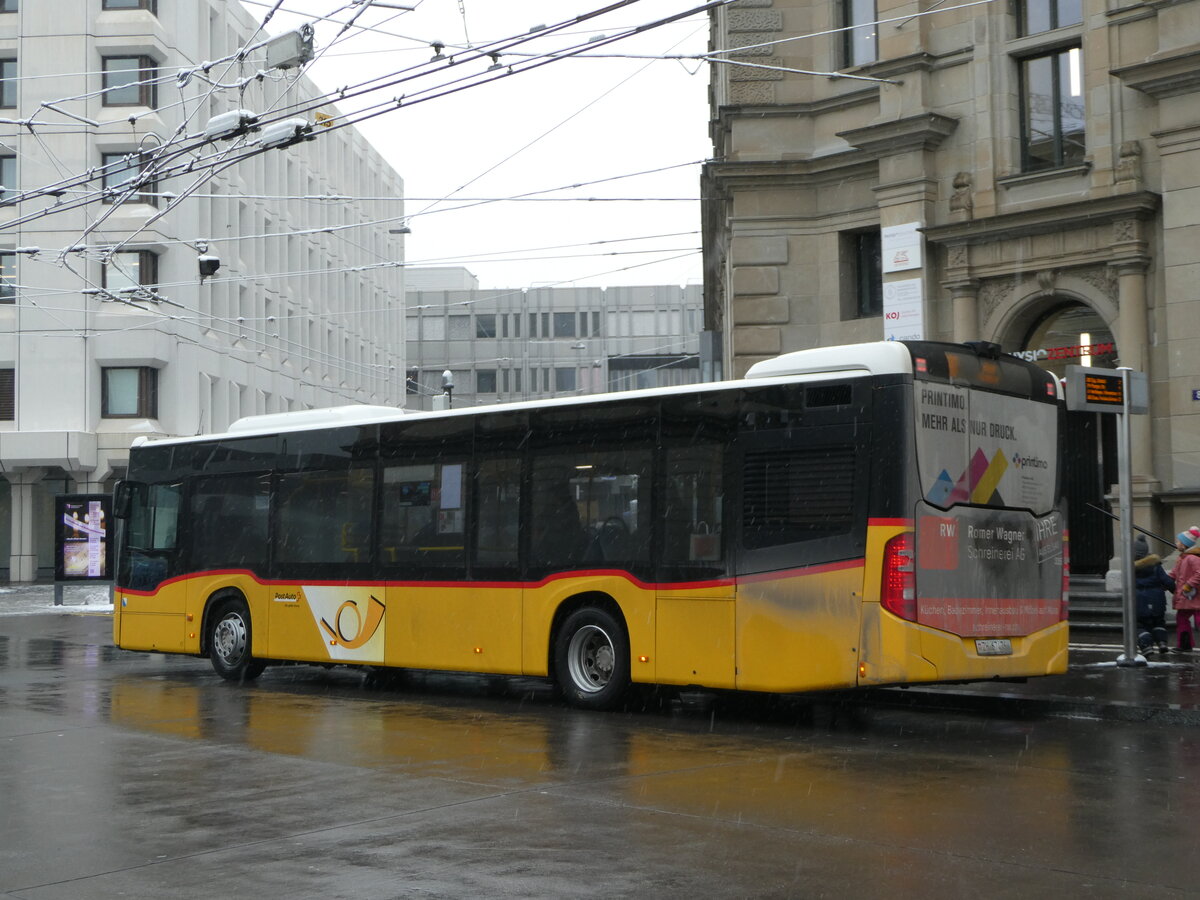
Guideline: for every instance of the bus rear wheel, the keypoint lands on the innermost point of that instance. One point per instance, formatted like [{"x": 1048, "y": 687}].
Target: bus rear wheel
[
  {"x": 229, "y": 643},
  {"x": 591, "y": 659}
]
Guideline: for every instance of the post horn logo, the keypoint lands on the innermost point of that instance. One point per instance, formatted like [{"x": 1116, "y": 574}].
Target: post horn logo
[{"x": 352, "y": 635}]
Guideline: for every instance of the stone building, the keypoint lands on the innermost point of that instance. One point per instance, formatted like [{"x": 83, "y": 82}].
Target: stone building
[
  {"x": 107, "y": 329},
  {"x": 1021, "y": 171}
]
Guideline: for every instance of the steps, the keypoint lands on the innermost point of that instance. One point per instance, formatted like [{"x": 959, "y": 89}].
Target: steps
[{"x": 1096, "y": 614}]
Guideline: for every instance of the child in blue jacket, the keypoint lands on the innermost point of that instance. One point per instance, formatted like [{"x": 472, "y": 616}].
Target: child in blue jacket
[{"x": 1152, "y": 583}]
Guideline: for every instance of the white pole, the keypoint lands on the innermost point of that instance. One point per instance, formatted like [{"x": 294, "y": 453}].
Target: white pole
[{"x": 1125, "y": 529}]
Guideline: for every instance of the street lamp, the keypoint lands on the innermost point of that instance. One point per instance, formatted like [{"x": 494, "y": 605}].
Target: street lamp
[{"x": 448, "y": 388}]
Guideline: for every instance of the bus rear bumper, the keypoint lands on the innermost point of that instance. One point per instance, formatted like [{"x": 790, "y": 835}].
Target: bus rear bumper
[{"x": 939, "y": 656}]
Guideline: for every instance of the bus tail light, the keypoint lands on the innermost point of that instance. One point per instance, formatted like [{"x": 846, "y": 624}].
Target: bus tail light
[
  {"x": 898, "y": 592},
  {"x": 1064, "y": 607}
]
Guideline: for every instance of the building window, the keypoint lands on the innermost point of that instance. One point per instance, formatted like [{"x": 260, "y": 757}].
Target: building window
[
  {"x": 460, "y": 328},
  {"x": 564, "y": 324},
  {"x": 8, "y": 395},
  {"x": 485, "y": 326},
  {"x": 8, "y": 277},
  {"x": 121, "y": 169},
  {"x": 433, "y": 329},
  {"x": 129, "y": 393},
  {"x": 1036, "y": 16},
  {"x": 148, "y": 5},
  {"x": 859, "y": 40},
  {"x": 862, "y": 274},
  {"x": 564, "y": 379},
  {"x": 8, "y": 178},
  {"x": 129, "y": 81},
  {"x": 129, "y": 269},
  {"x": 1052, "y": 123},
  {"x": 8, "y": 83},
  {"x": 485, "y": 381},
  {"x": 412, "y": 383},
  {"x": 8, "y": 6}
]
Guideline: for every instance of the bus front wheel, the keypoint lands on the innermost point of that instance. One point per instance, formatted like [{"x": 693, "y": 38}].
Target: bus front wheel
[
  {"x": 591, "y": 659},
  {"x": 229, "y": 643}
]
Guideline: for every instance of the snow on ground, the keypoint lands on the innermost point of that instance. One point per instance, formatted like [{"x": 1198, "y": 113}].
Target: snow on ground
[{"x": 38, "y": 599}]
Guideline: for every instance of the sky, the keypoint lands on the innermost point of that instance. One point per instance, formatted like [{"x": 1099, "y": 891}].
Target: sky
[{"x": 539, "y": 130}]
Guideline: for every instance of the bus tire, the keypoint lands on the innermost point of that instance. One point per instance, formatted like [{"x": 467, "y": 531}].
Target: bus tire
[
  {"x": 229, "y": 637},
  {"x": 591, "y": 659}
]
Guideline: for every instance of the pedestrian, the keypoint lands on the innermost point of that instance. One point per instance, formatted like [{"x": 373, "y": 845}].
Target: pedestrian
[
  {"x": 1186, "y": 575},
  {"x": 1152, "y": 584}
]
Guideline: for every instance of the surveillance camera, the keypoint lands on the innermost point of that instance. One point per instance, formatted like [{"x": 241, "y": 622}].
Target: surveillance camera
[{"x": 208, "y": 266}]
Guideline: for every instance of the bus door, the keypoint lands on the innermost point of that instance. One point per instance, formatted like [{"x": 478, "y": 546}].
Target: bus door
[
  {"x": 225, "y": 530},
  {"x": 801, "y": 560},
  {"x": 150, "y": 607},
  {"x": 438, "y": 617},
  {"x": 695, "y": 593}
]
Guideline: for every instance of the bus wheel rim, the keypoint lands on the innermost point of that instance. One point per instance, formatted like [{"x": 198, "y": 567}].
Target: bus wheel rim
[
  {"x": 229, "y": 639},
  {"x": 591, "y": 659}
]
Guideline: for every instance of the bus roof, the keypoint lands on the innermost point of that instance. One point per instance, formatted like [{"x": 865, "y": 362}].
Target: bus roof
[
  {"x": 878, "y": 358},
  {"x": 860, "y": 360}
]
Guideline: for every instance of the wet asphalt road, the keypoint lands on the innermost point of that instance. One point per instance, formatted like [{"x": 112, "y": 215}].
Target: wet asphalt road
[{"x": 132, "y": 775}]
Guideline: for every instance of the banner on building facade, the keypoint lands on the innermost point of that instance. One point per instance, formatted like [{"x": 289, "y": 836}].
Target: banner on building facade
[
  {"x": 82, "y": 537},
  {"x": 903, "y": 310},
  {"x": 901, "y": 245}
]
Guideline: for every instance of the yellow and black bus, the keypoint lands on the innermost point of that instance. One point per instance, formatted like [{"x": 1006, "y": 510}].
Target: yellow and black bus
[{"x": 875, "y": 514}]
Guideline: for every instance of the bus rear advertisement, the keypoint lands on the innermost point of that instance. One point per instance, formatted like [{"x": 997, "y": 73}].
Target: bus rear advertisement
[{"x": 878, "y": 514}]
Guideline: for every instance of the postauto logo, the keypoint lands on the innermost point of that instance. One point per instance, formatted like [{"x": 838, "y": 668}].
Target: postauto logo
[{"x": 1029, "y": 462}]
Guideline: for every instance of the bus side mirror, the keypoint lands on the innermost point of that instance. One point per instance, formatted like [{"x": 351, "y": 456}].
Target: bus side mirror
[{"x": 122, "y": 499}]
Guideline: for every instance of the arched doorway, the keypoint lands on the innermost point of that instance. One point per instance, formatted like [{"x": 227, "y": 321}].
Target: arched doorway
[{"x": 1065, "y": 333}]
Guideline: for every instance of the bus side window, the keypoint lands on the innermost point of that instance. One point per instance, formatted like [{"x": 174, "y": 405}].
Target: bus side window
[
  {"x": 150, "y": 535},
  {"x": 693, "y": 506},
  {"x": 591, "y": 506},
  {"x": 557, "y": 538},
  {"x": 498, "y": 489},
  {"x": 228, "y": 521},
  {"x": 154, "y": 521},
  {"x": 423, "y": 515},
  {"x": 324, "y": 517}
]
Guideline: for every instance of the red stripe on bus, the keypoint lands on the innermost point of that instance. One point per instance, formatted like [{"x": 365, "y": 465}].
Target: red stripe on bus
[
  {"x": 804, "y": 570},
  {"x": 882, "y": 522},
  {"x": 525, "y": 585}
]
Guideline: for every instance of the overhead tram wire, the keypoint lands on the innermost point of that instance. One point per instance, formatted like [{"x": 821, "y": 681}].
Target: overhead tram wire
[
  {"x": 362, "y": 267},
  {"x": 225, "y": 159},
  {"x": 249, "y": 151},
  {"x": 544, "y": 134},
  {"x": 442, "y": 90},
  {"x": 330, "y": 229},
  {"x": 148, "y": 173},
  {"x": 388, "y": 220},
  {"x": 343, "y": 94},
  {"x": 448, "y": 89}
]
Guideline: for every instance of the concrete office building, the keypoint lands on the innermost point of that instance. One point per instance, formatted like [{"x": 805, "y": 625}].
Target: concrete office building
[
  {"x": 106, "y": 331},
  {"x": 503, "y": 345},
  {"x": 1019, "y": 172}
]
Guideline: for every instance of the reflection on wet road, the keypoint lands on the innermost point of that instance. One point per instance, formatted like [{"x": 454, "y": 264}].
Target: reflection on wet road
[{"x": 131, "y": 775}]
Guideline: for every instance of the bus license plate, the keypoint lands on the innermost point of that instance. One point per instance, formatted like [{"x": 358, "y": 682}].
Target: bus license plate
[{"x": 994, "y": 647}]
